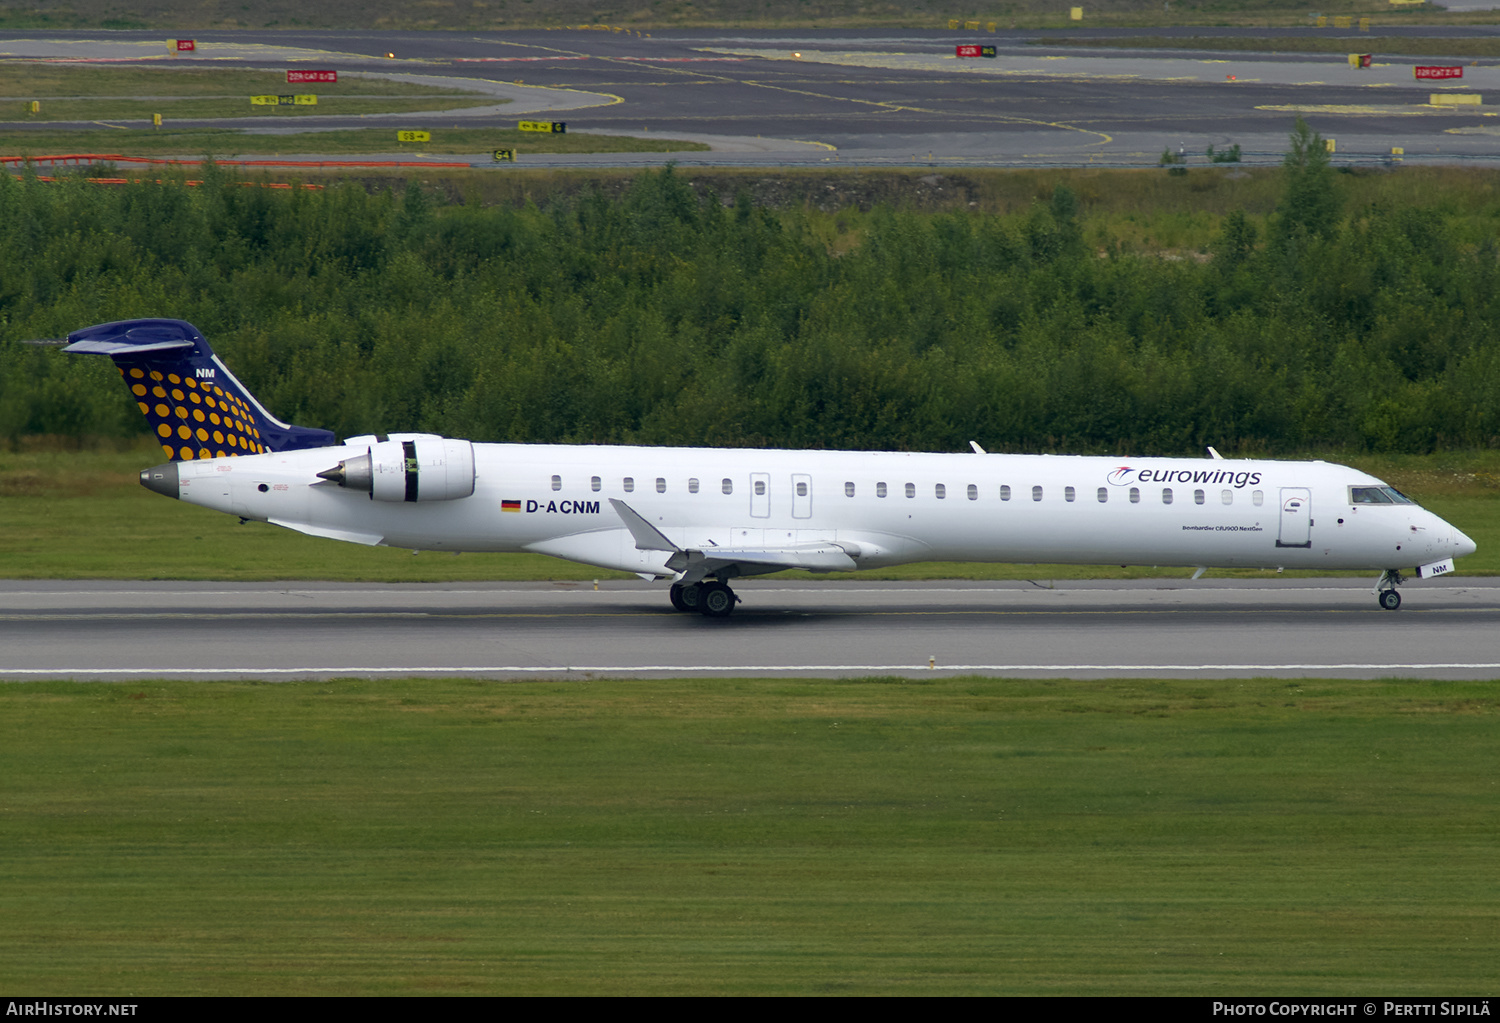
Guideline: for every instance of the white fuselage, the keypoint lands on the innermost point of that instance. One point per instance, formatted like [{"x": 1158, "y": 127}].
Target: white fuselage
[{"x": 883, "y": 508}]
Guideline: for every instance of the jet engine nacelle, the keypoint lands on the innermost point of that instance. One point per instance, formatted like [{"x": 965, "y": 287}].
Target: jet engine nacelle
[{"x": 409, "y": 467}]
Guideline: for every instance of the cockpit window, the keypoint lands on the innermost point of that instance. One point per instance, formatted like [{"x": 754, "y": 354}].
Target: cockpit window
[{"x": 1378, "y": 495}]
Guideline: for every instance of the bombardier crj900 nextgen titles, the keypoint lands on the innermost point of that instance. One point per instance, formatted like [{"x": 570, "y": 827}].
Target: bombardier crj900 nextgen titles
[{"x": 702, "y": 517}]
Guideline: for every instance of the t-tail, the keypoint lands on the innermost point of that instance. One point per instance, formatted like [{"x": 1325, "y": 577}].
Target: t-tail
[{"x": 196, "y": 406}]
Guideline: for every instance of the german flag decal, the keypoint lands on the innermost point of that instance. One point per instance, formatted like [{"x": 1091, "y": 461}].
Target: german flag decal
[{"x": 512, "y": 506}]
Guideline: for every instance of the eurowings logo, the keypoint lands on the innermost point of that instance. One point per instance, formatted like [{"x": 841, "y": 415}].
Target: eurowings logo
[{"x": 1226, "y": 477}]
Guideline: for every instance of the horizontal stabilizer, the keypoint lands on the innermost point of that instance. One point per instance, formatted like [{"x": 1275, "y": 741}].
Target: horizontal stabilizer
[{"x": 123, "y": 347}]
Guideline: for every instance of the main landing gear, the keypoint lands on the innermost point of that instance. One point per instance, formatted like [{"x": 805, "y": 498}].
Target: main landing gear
[
  {"x": 1385, "y": 589},
  {"x": 712, "y": 598}
]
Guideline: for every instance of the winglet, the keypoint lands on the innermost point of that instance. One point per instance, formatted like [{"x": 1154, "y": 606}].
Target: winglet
[
  {"x": 647, "y": 536},
  {"x": 1216, "y": 456},
  {"x": 977, "y": 449}
]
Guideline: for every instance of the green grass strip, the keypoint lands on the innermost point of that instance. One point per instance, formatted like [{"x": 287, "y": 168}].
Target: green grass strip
[
  {"x": 875, "y": 836},
  {"x": 225, "y": 143},
  {"x": 1385, "y": 45}
]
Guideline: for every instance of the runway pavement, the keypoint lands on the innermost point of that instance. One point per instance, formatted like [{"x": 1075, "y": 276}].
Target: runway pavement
[
  {"x": 1213, "y": 629},
  {"x": 879, "y": 97}
]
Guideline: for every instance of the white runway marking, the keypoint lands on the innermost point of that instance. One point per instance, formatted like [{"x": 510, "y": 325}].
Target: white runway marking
[{"x": 519, "y": 669}]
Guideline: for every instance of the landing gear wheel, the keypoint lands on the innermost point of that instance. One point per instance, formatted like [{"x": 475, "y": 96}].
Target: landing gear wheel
[
  {"x": 1390, "y": 599},
  {"x": 686, "y": 598},
  {"x": 717, "y": 600}
]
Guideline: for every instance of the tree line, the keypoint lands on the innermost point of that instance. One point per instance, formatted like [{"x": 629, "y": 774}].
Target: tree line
[{"x": 658, "y": 318}]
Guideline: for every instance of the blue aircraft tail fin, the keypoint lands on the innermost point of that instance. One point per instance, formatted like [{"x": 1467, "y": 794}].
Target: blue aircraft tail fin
[{"x": 196, "y": 406}]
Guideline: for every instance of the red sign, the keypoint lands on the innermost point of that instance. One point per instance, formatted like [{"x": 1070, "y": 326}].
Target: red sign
[
  {"x": 966, "y": 51},
  {"x": 311, "y": 76},
  {"x": 186, "y": 45},
  {"x": 1437, "y": 72}
]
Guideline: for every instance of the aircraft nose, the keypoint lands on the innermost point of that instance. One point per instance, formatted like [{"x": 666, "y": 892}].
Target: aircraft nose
[{"x": 1462, "y": 545}]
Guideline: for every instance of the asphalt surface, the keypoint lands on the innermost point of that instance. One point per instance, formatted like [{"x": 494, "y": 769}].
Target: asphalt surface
[
  {"x": 880, "y": 97},
  {"x": 1217, "y": 629}
]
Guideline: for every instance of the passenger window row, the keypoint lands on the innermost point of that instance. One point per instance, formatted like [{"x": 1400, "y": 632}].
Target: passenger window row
[{"x": 940, "y": 491}]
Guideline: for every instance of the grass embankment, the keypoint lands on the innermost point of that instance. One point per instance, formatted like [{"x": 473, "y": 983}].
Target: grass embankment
[
  {"x": 106, "y": 95},
  {"x": 85, "y": 516},
  {"x": 174, "y": 16},
  {"x": 227, "y": 143},
  {"x": 1425, "y": 46},
  {"x": 72, "y": 93},
  {"x": 875, "y": 836}
]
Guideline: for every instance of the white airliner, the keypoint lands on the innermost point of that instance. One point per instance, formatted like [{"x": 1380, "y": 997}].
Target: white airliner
[{"x": 702, "y": 517}]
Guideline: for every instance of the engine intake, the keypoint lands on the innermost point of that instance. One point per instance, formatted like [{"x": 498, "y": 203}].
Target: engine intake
[{"x": 411, "y": 467}]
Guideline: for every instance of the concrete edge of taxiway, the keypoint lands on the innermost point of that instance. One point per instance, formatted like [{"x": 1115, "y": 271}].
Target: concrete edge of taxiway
[{"x": 12, "y": 588}]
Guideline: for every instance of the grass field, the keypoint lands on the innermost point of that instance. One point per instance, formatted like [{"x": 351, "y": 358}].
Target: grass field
[
  {"x": 84, "y": 515},
  {"x": 72, "y": 93},
  {"x": 750, "y": 837},
  {"x": 133, "y": 94},
  {"x": 1364, "y": 43},
  {"x": 174, "y": 16},
  {"x": 227, "y": 143}
]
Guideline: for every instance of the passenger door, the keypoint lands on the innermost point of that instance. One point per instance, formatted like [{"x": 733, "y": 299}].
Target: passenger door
[
  {"x": 801, "y": 495},
  {"x": 1296, "y": 518},
  {"x": 760, "y": 495}
]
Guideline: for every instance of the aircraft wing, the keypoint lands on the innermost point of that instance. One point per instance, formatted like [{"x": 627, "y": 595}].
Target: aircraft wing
[{"x": 696, "y": 563}]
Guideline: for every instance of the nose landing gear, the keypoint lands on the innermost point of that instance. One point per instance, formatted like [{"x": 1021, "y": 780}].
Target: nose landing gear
[
  {"x": 713, "y": 598},
  {"x": 1385, "y": 589}
]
